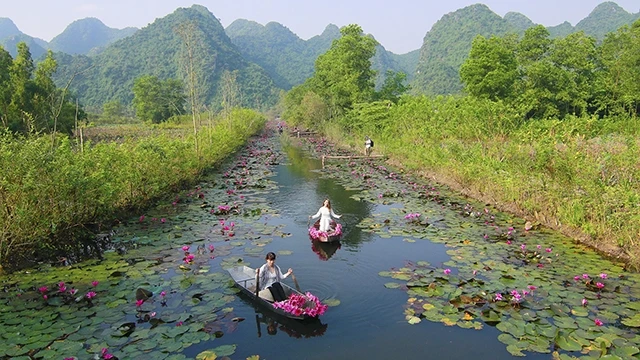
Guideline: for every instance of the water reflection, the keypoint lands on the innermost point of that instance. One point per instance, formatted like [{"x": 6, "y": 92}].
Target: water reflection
[
  {"x": 294, "y": 328},
  {"x": 325, "y": 250}
]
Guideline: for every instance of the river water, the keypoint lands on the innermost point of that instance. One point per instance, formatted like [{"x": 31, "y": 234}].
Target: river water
[{"x": 451, "y": 266}]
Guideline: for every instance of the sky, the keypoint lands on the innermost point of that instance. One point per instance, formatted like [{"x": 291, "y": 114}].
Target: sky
[{"x": 399, "y": 25}]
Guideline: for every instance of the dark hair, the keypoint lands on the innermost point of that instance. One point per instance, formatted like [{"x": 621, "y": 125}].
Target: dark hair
[
  {"x": 270, "y": 256},
  {"x": 329, "y": 203}
]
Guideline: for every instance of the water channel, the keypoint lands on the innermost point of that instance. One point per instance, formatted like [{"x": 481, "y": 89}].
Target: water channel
[{"x": 368, "y": 318}]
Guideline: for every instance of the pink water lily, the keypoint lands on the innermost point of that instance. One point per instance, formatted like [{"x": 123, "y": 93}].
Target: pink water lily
[
  {"x": 43, "y": 289},
  {"x": 603, "y": 276},
  {"x": 90, "y": 295},
  {"x": 141, "y": 218},
  {"x": 598, "y": 322},
  {"x": 584, "y": 302},
  {"x": 547, "y": 250},
  {"x": 185, "y": 248},
  {"x": 94, "y": 283},
  {"x": 599, "y": 285},
  {"x": 139, "y": 302},
  {"x": 447, "y": 271},
  {"x": 585, "y": 276},
  {"x": 498, "y": 297}
]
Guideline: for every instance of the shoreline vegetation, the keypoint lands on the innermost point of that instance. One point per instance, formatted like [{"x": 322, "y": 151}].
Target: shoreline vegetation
[
  {"x": 578, "y": 176},
  {"x": 59, "y": 195}
]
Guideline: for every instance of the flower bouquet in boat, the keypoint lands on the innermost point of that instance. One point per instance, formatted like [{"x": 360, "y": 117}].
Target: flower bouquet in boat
[
  {"x": 333, "y": 234},
  {"x": 302, "y": 304}
]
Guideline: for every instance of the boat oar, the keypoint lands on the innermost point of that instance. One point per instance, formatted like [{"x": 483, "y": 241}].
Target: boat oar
[
  {"x": 257, "y": 282},
  {"x": 295, "y": 281},
  {"x": 258, "y": 325}
]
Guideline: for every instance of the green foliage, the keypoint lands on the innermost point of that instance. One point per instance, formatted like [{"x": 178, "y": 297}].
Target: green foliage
[
  {"x": 447, "y": 45},
  {"x": 393, "y": 86},
  {"x": 86, "y": 35},
  {"x": 343, "y": 74},
  {"x": 157, "y": 50},
  {"x": 29, "y": 99},
  {"x": 155, "y": 100},
  {"x": 48, "y": 195}
]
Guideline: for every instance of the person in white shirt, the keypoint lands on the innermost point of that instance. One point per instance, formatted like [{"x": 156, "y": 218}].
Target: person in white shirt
[
  {"x": 325, "y": 213},
  {"x": 368, "y": 145},
  {"x": 270, "y": 276}
]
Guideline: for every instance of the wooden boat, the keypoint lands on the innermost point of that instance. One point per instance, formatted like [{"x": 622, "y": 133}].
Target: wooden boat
[
  {"x": 245, "y": 279},
  {"x": 334, "y": 234}
]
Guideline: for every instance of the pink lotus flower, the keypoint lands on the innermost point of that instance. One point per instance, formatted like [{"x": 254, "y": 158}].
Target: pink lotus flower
[
  {"x": 139, "y": 302},
  {"x": 498, "y": 297},
  {"x": 62, "y": 288},
  {"x": 447, "y": 271},
  {"x": 94, "y": 283},
  {"x": 43, "y": 289},
  {"x": 603, "y": 276},
  {"x": 598, "y": 322},
  {"x": 547, "y": 250},
  {"x": 141, "y": 218},
  {"x": 584, "y": 302},
  {"x": 90, "y": 295},
  {"x": 599, "y": 285},
  {"x": 185, "y": 248}
]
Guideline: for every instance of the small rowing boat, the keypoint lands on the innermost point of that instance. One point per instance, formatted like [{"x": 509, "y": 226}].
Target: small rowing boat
[
  {"x": 334, "y": 233},
  {"x": 245, "y": 279}
]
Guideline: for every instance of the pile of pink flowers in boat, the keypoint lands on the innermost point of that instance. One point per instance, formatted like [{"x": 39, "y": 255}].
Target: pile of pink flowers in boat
[
  {"x": 299, "y": 305},
  {"x": 317, "y": 234}
]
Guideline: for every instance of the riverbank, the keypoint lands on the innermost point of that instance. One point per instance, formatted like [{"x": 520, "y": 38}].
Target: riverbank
[
  {"x": 546, "y": 180},
  {"x": 55, "y": 197}
]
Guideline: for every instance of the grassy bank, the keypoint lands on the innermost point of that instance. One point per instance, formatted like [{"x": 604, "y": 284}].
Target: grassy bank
[
  {"x": 50, "y": 195},
  {"x": 579, "y": 175}
]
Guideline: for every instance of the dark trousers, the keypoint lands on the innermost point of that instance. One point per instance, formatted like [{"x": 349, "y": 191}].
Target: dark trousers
[{"x": 277, "y": 292}]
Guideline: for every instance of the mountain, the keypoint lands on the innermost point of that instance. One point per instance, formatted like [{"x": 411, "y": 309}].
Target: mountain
[
  {"x": 447, "y": 45},
  {"x": 10, "y": 36},
  {"x": 289, "y": 60},
  {"x": 605, "y": 18},
  {"x": 519, "y": 21},
  {"x": 81, "y": 36},
  {"x": 275, "y": 48},
  {"x": 159, "y": 50},
  {"x": 561, "y": 30}
]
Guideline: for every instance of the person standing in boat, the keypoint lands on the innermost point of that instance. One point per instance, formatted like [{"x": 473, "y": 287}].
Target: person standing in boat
[
  {"x": 270, "y": 277},
  {"x": 325, "y": 213}
]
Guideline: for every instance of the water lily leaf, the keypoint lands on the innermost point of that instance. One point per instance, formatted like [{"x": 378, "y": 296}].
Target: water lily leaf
[
  {"x": 568, "y": 343},
  {"x": 392, "y": 285},
  {"x": 633, "y": 321},
  {"x": 331, "y": 302},
  {"x": 413, "y": 320},
  {"x": 507, "y": 339},
  {"x": 207, "y": 355},
  {"x": 515, "y": 350},
  {"x": 285, "y": 252},
  {"x": 626, "y": 351}
]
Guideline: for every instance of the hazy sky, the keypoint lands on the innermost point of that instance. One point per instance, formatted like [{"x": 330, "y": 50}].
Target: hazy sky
[{"x": 399, "y": 25}]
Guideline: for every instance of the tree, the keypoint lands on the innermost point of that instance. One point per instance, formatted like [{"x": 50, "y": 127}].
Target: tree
[
  {"x": 22, "y": 90},
  {"x": 393, "y": 86},
  {"x": 491, "y": 69},
  {"x": 6, "y": 61},
  {"x": 113, "y": 111},
  {"x": 343, "y": 75},
  {"x": 155, "y": 100},
  {"x": 230, "y": 91}
]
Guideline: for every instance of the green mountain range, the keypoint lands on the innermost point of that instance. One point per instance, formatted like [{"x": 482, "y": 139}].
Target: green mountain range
[
  {"x": 447, "y": 44},
  {"x": 159, "y": 50},
  {"x": 10, "y": 36},
  {"x": 289, "y": 60},
  {"x": 87, "y": 35},
  {"x": 267, "y": 57}
]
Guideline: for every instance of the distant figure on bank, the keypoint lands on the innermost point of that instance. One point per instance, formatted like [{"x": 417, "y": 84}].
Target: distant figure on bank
[
  {"x": 325, "y": 213},
  {"x": 270, "y": 277},
  {"x": 280, "y": 128},
  {"x": 368, "y": 146}
]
